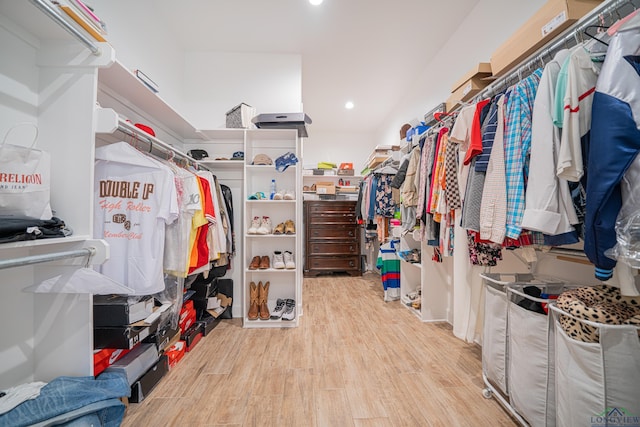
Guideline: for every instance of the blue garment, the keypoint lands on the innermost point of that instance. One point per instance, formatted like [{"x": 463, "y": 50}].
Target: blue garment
[
  {"x": 372, "y": 197},
  {"x": 614, "y": 144},
  {"x": 66, "y": 394},
  {"x": 517, "y": 145},
  {"x": 489, "y": 126}
]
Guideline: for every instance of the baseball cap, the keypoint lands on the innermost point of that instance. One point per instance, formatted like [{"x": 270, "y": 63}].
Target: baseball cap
[
  {"x": 286, "y": 160},
  {"x": 238, "y": 155},
  {"x": 262, "y": 159}
]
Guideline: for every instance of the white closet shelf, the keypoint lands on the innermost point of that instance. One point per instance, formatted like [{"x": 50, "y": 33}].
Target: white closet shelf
[
  {"x": 222, "y": 164},
  {"x": 265, "y": 201},
  {"x": 330, "y": 177},
  {"x": 45, "y": 242},
  {"x": 269, "y": 168},
  {"x": 222, "y": 134},
  {"x": 413, "y": 264},
  {"x": 270, "y": 134},
  {"x": 271, "y": 270},
  {"x": 125, "y": 85},
  {"x": 277, "y": 236}
]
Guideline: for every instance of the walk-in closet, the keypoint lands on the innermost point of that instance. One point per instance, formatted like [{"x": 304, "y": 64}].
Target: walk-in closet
[{"x": 320, "y": 213}]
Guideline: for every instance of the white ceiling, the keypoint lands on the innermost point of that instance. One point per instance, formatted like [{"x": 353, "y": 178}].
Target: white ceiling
[{"x": 367, "y": 51}]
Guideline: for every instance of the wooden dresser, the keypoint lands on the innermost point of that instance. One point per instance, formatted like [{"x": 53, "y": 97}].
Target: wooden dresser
[{"x": 332, "y": 238}]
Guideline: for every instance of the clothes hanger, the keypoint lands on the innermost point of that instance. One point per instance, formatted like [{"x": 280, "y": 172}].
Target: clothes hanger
[{"x": 594, "y": 36}]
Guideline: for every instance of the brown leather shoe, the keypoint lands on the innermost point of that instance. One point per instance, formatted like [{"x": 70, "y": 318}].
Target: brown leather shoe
[
  {"x": 253, "y": 301},
  {"x": 263, "y": 295},
  {"x": 265, "y": 263},
  {"x": 279, "y": 228},
  {"x": 289, "y": 227},
  {"x": 255, "y": 263}
]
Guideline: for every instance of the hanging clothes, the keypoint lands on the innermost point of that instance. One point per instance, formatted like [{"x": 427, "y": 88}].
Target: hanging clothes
[
  {"x": 388, "y": 263},
  {"x": 614, "y": 145},
  {"x": 135, "y": 198}
]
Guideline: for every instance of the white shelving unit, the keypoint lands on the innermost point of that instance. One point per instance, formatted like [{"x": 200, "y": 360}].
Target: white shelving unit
[
  {"x": 49, "y": 79},
  {"x": 286, "y": 284},
  {"x": 432, "y": 281}
]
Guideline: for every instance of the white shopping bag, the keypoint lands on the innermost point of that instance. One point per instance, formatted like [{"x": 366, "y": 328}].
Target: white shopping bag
[{"x": 25, "y": 179}]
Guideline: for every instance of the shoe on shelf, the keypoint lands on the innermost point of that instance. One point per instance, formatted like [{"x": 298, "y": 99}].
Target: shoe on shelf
[
  {"x": 277, "y": 312},
  {"x": 255, "y": 225},
  {"x": 288, "y": 261},
  {"x": 265, "y": 225},
  {"x": 278, "y": 260},
  {"x": 289, "y": 227},
  {"x": 313, "y": 187},
  {"x": 278, "y": 195},
  {"x": 264, "y": 263},
  {"x": 255, "y": 263},
  {"x": 289, "y": 195},
  {"x": 263, "y": 296},
  {"x": 306, "y": 188},
  {"x": 279, "y": 229},
  {"x": 289, "y": 310},
  {"x": 253, "y": 301}
]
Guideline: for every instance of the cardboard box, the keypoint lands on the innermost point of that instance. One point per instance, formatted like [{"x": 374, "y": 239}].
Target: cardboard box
[
  {"x": 325, "y": 188},
  {"x": 208, "y": 322},
  {"x": 470, "y": 85},
  {"x": 135, "y": 363},
  {"x": 163, "y": 336},
  {"x": 345, "y": 172},
  {"x": 554, "y": 17},
  {"x": 118, "y": 310},
  {"x": 141, "y": 388},
  {"x": 119, "y": 336},
  {"x": 481, "y": 71},
  {"x": 106, "y": 357},
  {"x": 176, "y": 352}
]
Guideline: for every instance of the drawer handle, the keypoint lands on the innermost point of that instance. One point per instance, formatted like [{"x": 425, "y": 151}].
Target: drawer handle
[
  {"x": 350, "y": 248},
  {"x": 351, "y": 233},
  {"x": 351, "y": 264}
]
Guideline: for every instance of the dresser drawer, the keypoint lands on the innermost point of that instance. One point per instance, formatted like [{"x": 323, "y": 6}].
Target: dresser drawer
[
  {"x": 333, "y": 263},
  {"x": 348, "y": 218},
  {"x": 317, "y": 208},
  {"x": 333, "y": 248},
  {"x": 341, "y": 232}
]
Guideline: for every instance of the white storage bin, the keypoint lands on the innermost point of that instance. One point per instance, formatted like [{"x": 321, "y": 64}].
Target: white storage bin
[
  {"x": 597, "y": 384},
  {"x": 494, "y": 330},
  {"x": 531, "y": 375}
]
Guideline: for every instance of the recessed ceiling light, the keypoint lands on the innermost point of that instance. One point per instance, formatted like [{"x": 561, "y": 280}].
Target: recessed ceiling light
[
  {"x": 349, "y": 105},
  {"x": 315, "y": 2}
]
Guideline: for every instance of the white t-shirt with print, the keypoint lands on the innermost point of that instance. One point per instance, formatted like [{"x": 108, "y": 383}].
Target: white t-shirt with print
[{"x": 135, "y": 197}]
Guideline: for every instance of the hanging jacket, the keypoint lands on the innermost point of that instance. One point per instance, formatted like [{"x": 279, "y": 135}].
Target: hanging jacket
[{"x": 615, "y": 142}]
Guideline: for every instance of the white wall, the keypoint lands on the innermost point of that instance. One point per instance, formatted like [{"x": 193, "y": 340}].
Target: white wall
[
  {"x": 215, "y": 82},
  {"x": 337, "y": 147},
  {"x": 141, "y": 42},
  {"x": 489, "y": 24}
]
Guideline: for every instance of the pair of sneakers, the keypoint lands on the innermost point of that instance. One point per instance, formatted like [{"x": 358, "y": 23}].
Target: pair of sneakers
[
  {"x": 260, "y": 225},
  {"x": 284, "y": 195},
  {"x": 285, "y": 309},
  {"x": 283, "y": 260}
]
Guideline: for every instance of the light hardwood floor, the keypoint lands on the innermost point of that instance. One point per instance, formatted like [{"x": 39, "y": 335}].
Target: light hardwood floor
[{"x": 354, "y": 361}]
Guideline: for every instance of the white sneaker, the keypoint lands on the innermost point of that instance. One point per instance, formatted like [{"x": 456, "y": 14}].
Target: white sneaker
[
  {"x": 278, "y": 195},
  {"x": 288, "y": 261},
  {"x": 278, "y": 261},
  {"x": 255, "y": 225},
  {"x": 289, "y": 310},
  {"x": 265, "y": 226},
  {"x": 277, "y": 312},
  {"x": 289, "y": 195}
]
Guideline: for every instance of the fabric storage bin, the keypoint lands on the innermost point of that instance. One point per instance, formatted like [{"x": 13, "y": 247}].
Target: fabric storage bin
[
  {"x": 597, "y": 384},
  {"x": 240, "y": 116},
  {"x": 531, "y": 375},
  {"x": 494, "y": 329}
]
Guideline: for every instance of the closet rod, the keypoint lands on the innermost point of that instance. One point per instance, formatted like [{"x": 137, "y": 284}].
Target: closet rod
[
  {"x": 568, "y": 39},
  {"x": 56, "y": 256},
  {"x": 51, "y": 13},
  {"x": 154, "y": 143}
]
